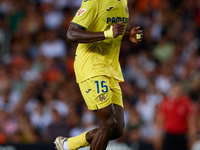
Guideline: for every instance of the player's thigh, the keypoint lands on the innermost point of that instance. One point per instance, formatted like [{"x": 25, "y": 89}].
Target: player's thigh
[
  {"x": 116, "y": 92},
  {"x": 96, "y": 92},
  {"x": 118, "y": 104},
  {"x": 119, "y": 116}
]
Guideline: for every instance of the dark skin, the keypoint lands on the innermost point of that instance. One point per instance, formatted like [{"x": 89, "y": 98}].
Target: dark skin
[
  {"x": 78, "y": 34},
  {"x": 118, "y": 131},
  {"x": 111, "y": 118}
]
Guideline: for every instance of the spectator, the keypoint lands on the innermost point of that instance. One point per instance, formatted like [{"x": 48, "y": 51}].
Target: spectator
[
  {"x": 176, "y": 118},
  {"x": 146, "y": 109},
  {"x": 53, "y": 47},
  {"x": 56, "y": 128},
  {"x": 41, "y": 118}
]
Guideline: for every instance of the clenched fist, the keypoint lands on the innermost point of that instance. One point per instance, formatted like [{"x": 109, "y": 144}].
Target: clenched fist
[
  {"x": 136, "y": 35},
  {"x": 118, "y": 29}
]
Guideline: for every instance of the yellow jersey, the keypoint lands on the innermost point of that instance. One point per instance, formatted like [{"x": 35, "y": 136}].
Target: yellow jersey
[{"x": 102, "y": 57}]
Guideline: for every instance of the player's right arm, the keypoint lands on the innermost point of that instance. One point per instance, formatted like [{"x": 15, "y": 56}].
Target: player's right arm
[{"x": 79, "y": 34}]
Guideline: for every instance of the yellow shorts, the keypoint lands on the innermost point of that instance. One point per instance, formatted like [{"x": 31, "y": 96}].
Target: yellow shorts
[{"x": 100, "y": 91}]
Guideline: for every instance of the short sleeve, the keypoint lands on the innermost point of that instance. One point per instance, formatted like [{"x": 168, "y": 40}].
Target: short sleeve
[{"x": 86, "y": 14}]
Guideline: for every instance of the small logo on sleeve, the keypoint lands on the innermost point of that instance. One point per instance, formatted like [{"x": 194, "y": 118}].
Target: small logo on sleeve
[{"x": 81, "y": 11}]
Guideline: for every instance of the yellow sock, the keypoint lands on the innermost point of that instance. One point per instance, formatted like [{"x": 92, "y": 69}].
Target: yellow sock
[{"x": 78, "y": 141}]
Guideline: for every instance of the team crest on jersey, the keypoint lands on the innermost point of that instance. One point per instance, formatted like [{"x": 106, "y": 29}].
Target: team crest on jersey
[
  {"x": 127, "y": 10},
  {"x": 102, "y": 98},
  {"x": 81, "y": 11}
]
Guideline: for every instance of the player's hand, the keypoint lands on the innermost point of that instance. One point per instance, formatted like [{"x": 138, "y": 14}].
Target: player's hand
[
  {"x": 118, "y": 29},
  {"x": 136, "y": 35}
]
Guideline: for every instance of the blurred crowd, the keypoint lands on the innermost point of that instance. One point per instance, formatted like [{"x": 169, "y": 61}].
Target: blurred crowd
[{"x": 39, "y": 96}]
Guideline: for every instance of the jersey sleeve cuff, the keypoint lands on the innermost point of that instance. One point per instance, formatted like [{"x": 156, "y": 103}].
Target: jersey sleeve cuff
[{"x": 79, "y": 25}]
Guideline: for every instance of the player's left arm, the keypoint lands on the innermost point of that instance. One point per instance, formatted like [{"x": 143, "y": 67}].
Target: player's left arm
[{"x": 135, "y": 35}]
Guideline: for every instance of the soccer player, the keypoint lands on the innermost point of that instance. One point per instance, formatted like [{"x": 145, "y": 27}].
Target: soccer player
[{"x": 99, "y": 27}]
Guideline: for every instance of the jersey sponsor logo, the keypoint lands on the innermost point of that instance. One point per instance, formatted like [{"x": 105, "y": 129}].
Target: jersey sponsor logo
[
  {"x": 109, "y": 9},
  {"x": 81, "y": 11},
  {"x": 117, "y": 19},
  {"x": 86, "y": 0},
  {"x": 88, "y": 91},
  {"x": 102, "y": 97}
]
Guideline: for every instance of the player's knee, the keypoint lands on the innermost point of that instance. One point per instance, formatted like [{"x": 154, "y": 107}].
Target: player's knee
[{"x": 111, "y": 123}]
